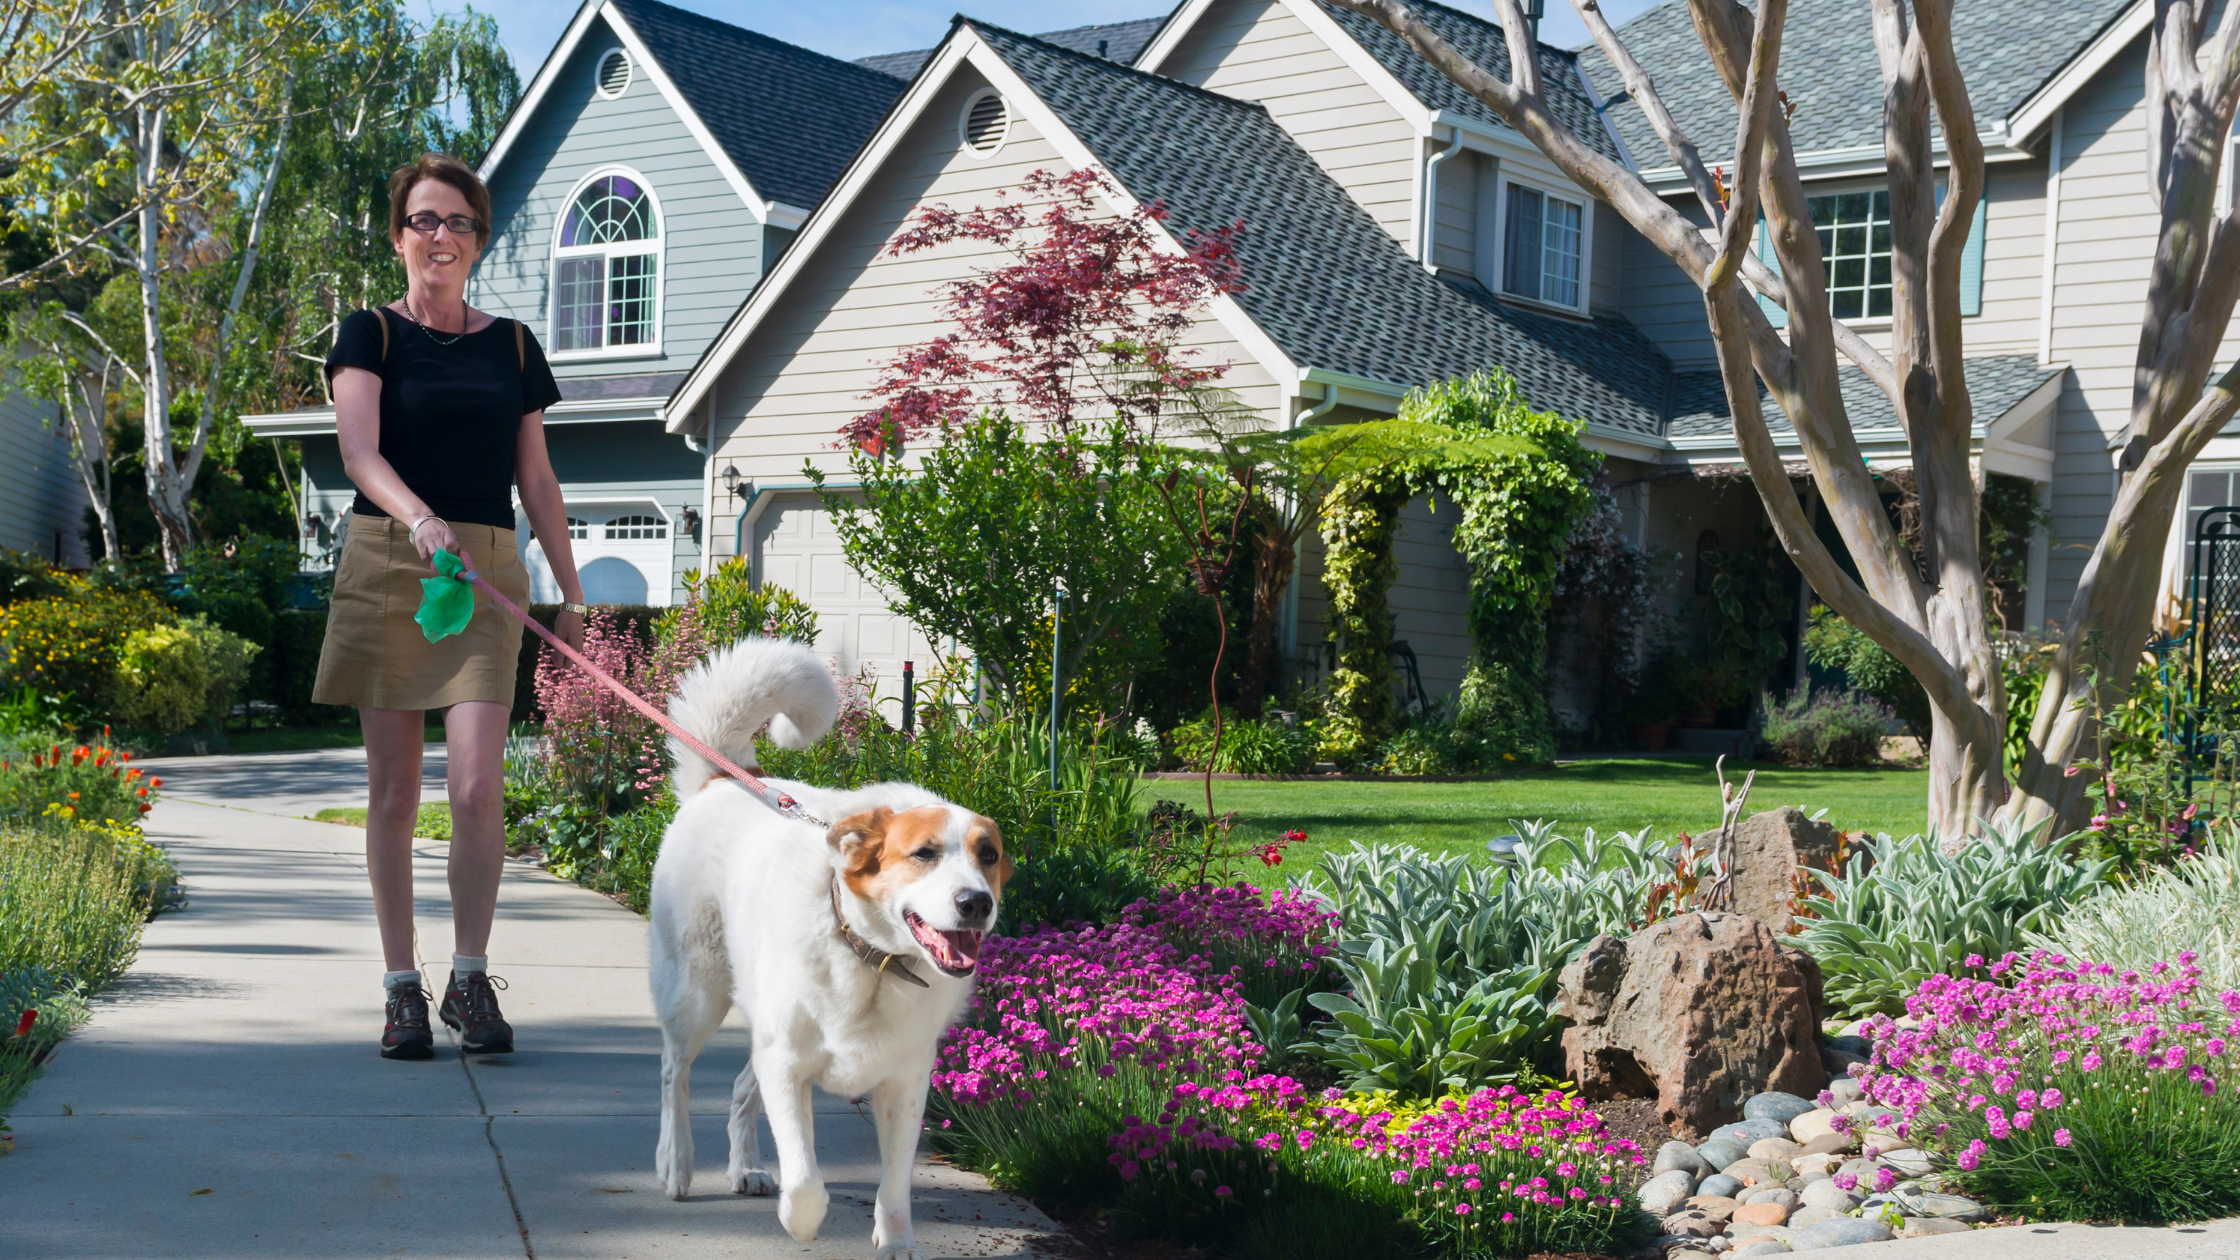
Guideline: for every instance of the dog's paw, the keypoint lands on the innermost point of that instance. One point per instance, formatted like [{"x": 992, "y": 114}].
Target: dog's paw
[
  {"x": 801, "y": 1210},
  {"x": 754, "y": 1181},
  {"x": 901, "y": 1251},
  {"x": 675, "y": 1175}
]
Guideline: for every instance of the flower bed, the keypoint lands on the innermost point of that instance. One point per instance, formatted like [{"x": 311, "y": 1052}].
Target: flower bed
[
  {"x": 1115, "y": 1067},
  {"x": 2067, "y": 1089}
]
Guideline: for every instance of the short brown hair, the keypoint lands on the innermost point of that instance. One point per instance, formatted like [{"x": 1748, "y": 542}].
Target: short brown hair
[{"x": 452, "y": 171}]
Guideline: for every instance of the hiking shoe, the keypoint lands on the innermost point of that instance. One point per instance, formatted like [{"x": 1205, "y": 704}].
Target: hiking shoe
[
  {"x": 408, "y": 1036},
  {"x": 470, "y": 1008}
]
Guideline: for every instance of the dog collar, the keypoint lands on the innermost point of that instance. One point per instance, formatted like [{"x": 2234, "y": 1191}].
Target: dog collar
[{"x": 873, "y": 957}]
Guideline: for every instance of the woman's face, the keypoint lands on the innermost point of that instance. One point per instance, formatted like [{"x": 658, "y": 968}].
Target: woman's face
[{"x": 438, "y": 260}]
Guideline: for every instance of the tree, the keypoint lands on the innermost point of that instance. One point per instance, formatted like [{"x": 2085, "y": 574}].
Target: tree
[
  {"x": 975, "y": 542},
  {"x": 1935, "y": 624},
  {"x": 1087, "y": 318},
  {"x": 72, "y": 366}
]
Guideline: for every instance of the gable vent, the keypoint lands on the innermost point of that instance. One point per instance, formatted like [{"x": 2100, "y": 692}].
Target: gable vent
[
  {"x": 614, "y": 73},
  {"x": 987, "y": 121}
]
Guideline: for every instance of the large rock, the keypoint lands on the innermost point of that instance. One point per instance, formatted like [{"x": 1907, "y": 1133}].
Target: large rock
[
  {"x": 1704, "y": 1010},
  {"x": 1720, "y": 1152},
  {"x": 1840, "y": 1231},
  {"x": 1663, "y": 1194},
  {"x": 1679, "y": 1155},
  {"x": 1827, "y": 1194},
  {"x": 1777, "y": 1107},
  {"x": 1749, "y": 1131},
  {"x": 1765, "y": 867}
]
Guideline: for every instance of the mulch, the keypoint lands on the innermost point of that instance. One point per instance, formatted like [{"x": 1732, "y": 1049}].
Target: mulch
[{"x": 1635, "y": 1118}]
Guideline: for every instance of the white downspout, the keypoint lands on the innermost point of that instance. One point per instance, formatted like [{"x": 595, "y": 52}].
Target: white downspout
[{"x": 1430, "y": 213}]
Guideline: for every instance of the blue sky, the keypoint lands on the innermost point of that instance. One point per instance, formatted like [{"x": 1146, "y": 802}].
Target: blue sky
[{"x": 858, "y": 28}]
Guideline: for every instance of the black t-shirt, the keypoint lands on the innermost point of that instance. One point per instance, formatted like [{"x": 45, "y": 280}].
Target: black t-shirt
[{"x": 450, "y": 414}]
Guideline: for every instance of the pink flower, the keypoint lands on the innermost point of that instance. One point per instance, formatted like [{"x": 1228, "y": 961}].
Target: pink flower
[
  {"x": 1462, "y": 1209},
  {"x": 2060, "y": 1137}
]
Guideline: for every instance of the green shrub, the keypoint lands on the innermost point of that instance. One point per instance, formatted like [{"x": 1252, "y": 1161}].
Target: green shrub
[
  {"x": 60, "y": 786},
  {"x": 2191, "y": 905},
  {"x": 26, "y": 576},
  {"x": 178, "y": 677},
  {"x": 731, "y": 607},
  {"x": 54, "y": 1008},
  {"x": 1903, "y": 910},
  {"x": 1248, "y": 745},
  {"x": 69, "y": 903},
  {"x": 290, "y": 669},
  {"x": 1833, "y": 728},
  {"x": 64, "y": 649},
  {"x": 1451, "y": 962}
]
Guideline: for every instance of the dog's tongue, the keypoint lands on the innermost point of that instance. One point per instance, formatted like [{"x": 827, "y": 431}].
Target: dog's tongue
[{"x": 953, "y": 951}]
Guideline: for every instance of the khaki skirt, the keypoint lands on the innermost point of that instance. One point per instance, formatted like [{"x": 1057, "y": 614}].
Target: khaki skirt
[{"x": 375, "y": 654}]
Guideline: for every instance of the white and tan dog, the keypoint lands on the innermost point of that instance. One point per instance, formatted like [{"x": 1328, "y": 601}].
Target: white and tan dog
[{"x": 849, "y": 951}]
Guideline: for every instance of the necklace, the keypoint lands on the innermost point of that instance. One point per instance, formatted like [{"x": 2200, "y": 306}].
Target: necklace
[{"x": 423, "y": 327}]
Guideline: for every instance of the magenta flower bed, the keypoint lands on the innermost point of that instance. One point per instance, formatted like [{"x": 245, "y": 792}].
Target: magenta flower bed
[
  {"x": 2064, "y": 1088},
  {"x": 1077, "y": 1036}
]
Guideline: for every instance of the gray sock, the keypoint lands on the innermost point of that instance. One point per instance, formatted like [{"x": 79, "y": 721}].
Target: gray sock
[
  {"x": 391, "y": 979},
  {"x": 462, "y": 965}
]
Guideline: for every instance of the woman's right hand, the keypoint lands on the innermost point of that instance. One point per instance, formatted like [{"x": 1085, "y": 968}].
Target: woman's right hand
[{"x": 433, "y": 534}]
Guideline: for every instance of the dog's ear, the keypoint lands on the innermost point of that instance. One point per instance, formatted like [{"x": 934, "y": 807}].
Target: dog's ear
[{"x": 859, "y": 839}]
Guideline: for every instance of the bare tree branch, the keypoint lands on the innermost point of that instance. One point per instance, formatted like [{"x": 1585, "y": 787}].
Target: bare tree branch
[{"x": 1756, "y": 120}]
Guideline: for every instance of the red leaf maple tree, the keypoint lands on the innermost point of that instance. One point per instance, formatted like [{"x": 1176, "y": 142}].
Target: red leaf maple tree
[{"x": 1086, "y": 319}]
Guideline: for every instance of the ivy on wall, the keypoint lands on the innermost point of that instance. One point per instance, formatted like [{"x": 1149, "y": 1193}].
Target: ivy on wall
[{"x": 1521, "y": 479}]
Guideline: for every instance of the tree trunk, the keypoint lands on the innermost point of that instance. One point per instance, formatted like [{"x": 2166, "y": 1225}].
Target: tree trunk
[
  {"x": 167, "y": 497},
  {"x": 1275, "y": 556}
]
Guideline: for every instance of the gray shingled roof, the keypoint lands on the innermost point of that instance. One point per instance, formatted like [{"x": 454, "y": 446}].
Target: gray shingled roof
[
  {"x": 1113, "y": 41},
  {"x": 1828, "y": 68},
  {"x": 1484, "y": 43},
  {"x": 1995, "y": 384},
  {"x": 791, "y": 119},
  {"x": 1329, "y": 285}
]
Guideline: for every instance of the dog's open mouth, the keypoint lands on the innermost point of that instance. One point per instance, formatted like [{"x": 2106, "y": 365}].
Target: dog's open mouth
[{"x": 956, "y": 953}]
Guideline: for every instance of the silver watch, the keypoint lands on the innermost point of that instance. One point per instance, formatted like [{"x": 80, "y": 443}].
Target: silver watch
[{"x": 580, "y": 610}]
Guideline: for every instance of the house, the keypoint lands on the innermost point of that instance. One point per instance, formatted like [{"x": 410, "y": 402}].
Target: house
[
  {"x": 1397, "y": 232},
  {"x": 43, "y": 500}
]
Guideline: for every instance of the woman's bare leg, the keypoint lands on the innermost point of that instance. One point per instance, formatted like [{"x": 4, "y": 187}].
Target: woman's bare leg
[
  {"x": 392, "y": 806},
  {"x": 475, "y": 754}
]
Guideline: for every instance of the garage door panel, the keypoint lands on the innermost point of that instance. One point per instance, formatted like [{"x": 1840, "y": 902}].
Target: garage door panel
[{"x": 796, "y": 546}]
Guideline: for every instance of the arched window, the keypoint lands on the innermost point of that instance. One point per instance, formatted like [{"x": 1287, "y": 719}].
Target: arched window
[
  {"x": 578, "y": 528},
  {"x": 606, "y": 268}
]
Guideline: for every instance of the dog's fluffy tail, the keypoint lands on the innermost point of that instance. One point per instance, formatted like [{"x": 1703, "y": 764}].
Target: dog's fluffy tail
[{"x": 725, "y": 699}]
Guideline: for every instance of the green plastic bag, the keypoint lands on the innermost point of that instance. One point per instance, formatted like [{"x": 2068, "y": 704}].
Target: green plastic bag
[{"x": 446, "y": 601}]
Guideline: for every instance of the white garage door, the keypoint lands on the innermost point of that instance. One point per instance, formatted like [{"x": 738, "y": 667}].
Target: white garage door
[
  {"x": 623, "y": 554},
  {"x": 794, "y": 546}
]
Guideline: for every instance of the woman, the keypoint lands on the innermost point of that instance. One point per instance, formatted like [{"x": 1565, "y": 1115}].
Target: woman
[{"x": 440, "y": 411}]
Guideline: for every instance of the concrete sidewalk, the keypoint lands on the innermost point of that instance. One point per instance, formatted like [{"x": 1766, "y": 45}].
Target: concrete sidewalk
[{"x": 227, "y": 1099}]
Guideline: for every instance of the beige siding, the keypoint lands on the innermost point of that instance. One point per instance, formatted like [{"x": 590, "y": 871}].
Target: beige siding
[
  {"x": 1454, "y": 240},
  {"x": 1257, "y": 50},
  {"x": 1659, "y": 298},
  {"x": 1430, "y": 599}
]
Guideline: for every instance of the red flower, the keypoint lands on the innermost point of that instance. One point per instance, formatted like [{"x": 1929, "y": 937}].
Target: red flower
[{"x": 23, "y": 1026}]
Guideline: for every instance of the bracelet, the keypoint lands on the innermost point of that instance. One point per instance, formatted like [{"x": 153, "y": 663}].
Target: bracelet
[
  {"x": 414, "y": 532},
  {"x": 580, "y": 610}
]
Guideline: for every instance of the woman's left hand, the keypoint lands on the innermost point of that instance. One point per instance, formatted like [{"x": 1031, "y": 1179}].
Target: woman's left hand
[{"x": 569, "y": 626}]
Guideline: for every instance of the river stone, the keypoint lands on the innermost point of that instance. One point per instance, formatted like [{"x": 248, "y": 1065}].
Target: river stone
[
  {"x": 1720, "y": 1152},
  {"x": 1688, "y": 1253},
  {"x": 1679, "y": 1155},
  {"x": 1811, "y": 1216},
  {"x": 1764, "y": 1247},
  {"x": 1813, "y": 1125},
  {"x": 1704, "y": 1009},
  {"x": 1863, "y": 1169},
  {"x": 1692, "y": 1224},
  {"x": 1663, "y": 1193},
  {"x": 1761, "y": 1214},
  {"x": 1752, "y": 1233},
  {"x": 1757, "y": 1172},
  {"x": 1779, "y": 1149},
  {"x": 1949, "y": 1206},
  {"x": 1718, "y": 1242},
  {"x": 1777, "y": 1106},
  {"x": 1923, "y": 1226},
  {"x": 1716, "y": 1206},
  {"x": 1719, "y": 1185},
  {"x": 1748, "y": 1131},
  {"x": 1807, "y": 1179},
  {"x": 1836, "y": 1062},
  {"x": 1853, "y": 1043},
  {"x": 1828, "y": 1194},
  {"x": 1909, "y": 1162},
  {"x": 1821, "y": 1164},
  {"x": 1841, "y": 1231},
  {"x": 1827, "y": 1144},
  {"x": 1844, "y": 1090}
]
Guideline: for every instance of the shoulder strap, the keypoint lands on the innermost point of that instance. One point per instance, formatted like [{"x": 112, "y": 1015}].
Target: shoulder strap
[{"x": 520, "y": 346}]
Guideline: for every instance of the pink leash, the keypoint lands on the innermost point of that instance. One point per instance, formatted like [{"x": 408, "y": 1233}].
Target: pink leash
[{"x": 768, "y": 795}]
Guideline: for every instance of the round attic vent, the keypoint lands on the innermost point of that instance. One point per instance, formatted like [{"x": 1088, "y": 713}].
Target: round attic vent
[
  {"x": 986, "y": 123},
  {"x": 614, "y": 73}
]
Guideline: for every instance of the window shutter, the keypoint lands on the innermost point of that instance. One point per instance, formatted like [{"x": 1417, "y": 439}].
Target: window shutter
[
  {"x": 1772, "y": 309},
  {"x": 1971, "y": 263}
]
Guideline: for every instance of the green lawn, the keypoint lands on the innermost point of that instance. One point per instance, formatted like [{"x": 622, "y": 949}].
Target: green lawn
[
  {"x": 1671, "y": 795},
  {"x": 434, "y": 821}
]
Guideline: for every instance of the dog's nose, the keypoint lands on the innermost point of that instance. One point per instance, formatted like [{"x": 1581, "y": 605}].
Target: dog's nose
[{"x": 975, "y": 904}]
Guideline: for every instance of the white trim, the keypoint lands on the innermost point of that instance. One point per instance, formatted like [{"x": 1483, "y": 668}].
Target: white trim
[
  {"x": 2053, "y": 236},
  {"x": 964, "y": 124},
  {"x": 642, "y": 59},
  {"x": 599, "y": 74},
  {"x": 1359, "y": 60},
  {"x": 2036, "y": 112},
  {"x": 1170, "y": 36},
  {"x": 553, "y": 257},
  {"x": 309, "y": 422},
  {"x": 964, "y": 44},
  {"x": 319, "y": 421},
  {"x": 1857, "y": 162},
  {"x": 784, "y": 216},
  {"x": 1568, "y": 194},
  {"x": 2035, "y": 567}
]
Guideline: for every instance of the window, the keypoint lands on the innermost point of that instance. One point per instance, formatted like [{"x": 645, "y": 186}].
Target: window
[
  {"x": 1545, "y": 238},
  {"x": 579, "y": 530},
  {"x": 1855, "y": 241},
  {"x": 625, "y": 527},
  {"x": 606, "y": 276}
]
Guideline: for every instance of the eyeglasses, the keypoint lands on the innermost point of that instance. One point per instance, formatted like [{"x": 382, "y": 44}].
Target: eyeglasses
[{"x": 426, "y": 222}]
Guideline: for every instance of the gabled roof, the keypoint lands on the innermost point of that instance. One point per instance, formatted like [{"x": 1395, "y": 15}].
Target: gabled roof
[
  {"x": 788, "y": 117},
  {"x": 1996, "y": 383},
  {"x": 1114, "y": 41},
  {"x": 2010, "y": 48},
  {"x": 1569, "y": 97}
]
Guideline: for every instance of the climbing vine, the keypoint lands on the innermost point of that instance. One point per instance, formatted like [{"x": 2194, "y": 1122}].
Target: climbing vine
[{"x": 1521, "y": 479}]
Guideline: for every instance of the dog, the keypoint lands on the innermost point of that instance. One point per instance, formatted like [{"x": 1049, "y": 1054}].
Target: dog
[{"x": 850, "y": 947}]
